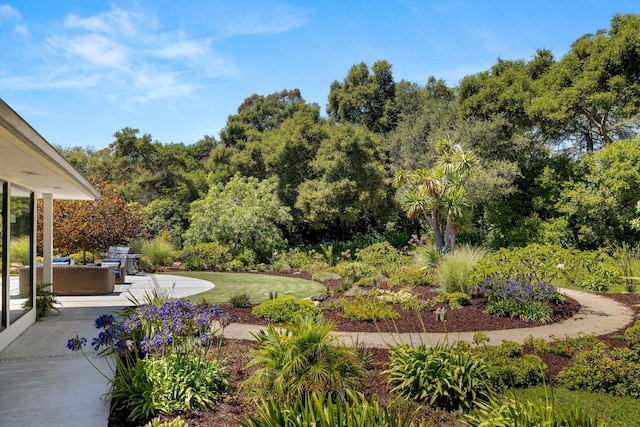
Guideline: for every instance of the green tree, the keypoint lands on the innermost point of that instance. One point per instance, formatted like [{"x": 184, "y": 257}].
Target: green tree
[
  {"x": 244, "y": 213},
  {"x": 365, "y": 99},
  {"x": 438, "y": 194},
  {"x": 592, "y": 95},
  {"x": 599, "y": 205},
  {"x": 350, "y": 179}
]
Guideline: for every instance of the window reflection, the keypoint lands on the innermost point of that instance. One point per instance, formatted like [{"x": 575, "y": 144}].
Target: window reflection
[{"x": 20, "y": 256}]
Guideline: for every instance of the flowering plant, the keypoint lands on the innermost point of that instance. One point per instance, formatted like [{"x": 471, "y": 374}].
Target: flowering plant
[{"x": 158, "y": 354}]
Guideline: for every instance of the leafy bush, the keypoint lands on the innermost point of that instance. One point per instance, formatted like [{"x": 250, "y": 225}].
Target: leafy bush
[
  {"x": 176, "y": 422},
  {"x": 369, "y": 309},
  {"x": 294, "y": 258},
  {"x": 510, "y": 367},
  {"x": 453, "y": 269},
  {"x": 408, "y": 276},
  {"x": 240, "y": 300},
  {"x": 454, "y": 299},
  {"x": 521, "y": 299},
  {"x": 157, "y": 253},
  {"x": 20, "y": 250},
  {"x": 205, "y": 256},
  {"x": 632, "y": 335},
  {"x": 530, "y": 413},
  {"x": 45, "y": 301},
  {"x": 603, "y": 369},
  {"x": 176, "y": 382},
  {"x": 302, "y": 357},
  {"x": 441, "y": 376},
  {"x": 566, "y": 346},
  {"x": 326, "y": 411},
  {"x": 286, "y": 308},
  {"x": 353, "y": 271},
  {"x": 382, "y": 257}
]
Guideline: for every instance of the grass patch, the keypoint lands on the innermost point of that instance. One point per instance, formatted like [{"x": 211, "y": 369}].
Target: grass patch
[
  {"x": 257, "y": 286},
  {"x": 618, "y": 411}
]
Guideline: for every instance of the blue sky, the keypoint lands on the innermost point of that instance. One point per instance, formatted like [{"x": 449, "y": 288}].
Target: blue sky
[{"x": 80, "y": 70}]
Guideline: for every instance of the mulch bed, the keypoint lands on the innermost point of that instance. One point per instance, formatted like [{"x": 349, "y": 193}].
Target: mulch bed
[{"x": 236, "y": 353}]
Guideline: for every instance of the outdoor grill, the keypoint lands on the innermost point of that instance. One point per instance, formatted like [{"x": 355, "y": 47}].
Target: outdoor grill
[{"x": 126, "y": 253}]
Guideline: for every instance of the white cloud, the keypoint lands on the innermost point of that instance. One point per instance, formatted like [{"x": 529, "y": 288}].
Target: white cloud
[
  {"x": 21, "y": 29},
  {"x": 6, "y": 12},
  {"x": 185, "y": 49},
  {"x": 93, "y": 49},
  {"x": 112, "y": 22}
]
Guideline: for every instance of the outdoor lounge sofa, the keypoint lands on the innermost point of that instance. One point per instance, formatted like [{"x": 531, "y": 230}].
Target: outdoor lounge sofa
[{"x": 74, "y": 280}]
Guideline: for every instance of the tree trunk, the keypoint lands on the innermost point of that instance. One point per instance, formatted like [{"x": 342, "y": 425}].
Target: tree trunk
[{"x": 437, "y": 233}]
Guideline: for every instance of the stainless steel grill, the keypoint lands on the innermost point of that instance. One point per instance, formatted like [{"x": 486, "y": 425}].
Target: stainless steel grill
[{"x": 126, "y": 253}]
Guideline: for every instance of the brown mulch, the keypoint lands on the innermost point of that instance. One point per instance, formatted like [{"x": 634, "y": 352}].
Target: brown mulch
[{"x": 236, "y": 353}]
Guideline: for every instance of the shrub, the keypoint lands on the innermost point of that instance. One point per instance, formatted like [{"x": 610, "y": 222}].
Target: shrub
[
  {"x": 530, "y": 413},
  {"x": 602, "y": 369},
  {"x": 240, "y": 300},
  {"x": 326, "y": 411},
  {"x": 294, "y": 258},
  {"x": 632, "y": 335},
  {"x": 453, "y": 269},
  {"x": 509, "y": 366},
  {"x": 353, "y": 271},
  {"x": 176, "y": 422},
  {"x": 176, "y": 382},
  {"x": 286, "y": 308},
  {"x": 157, "y": 253},
  {"x": 454, "y": 299},
  {"x": 20, "y": 250},
  {"x": 302, "y": 357},
  {"x": 205, "y": 256},
  {"x": 45, "y": 301},
  {"x": 533, "y": 311},
  {"x": 408, "y": 276},
  {"x": 382, "y": 257},
  {"x": 369, "y": 309},
  {"x": 441, "y": 376}
]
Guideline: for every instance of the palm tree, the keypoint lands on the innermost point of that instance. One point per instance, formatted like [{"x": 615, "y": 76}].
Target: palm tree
[{"x": 438, "y": 194}]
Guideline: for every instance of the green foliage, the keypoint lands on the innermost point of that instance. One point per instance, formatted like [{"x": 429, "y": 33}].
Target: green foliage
[
  {"x": 566, "y": 346},
  {"x": 240, "y": 300},
  {"x": 632, "y": 335},
  {"x": 369, "y": 308},
  {"x": 454, "y": 299},
  {"x": 441, "y": 376},
  {"x": 533, "y": 262},
  {"x": 408, "y": 276},
  {"x": 382, "y": 257},
  {"x": 158, "y": 253},
  {"x": 510, "y": 367},
  {"x": 244, "y": 213},
  {"x": 327, "y": 411},
  {"x": 286, "y": 308},
  {"x": 453, "y": 269},
  {"x": 20, "y": 250},
  {"x": 176, "y": 422},
  {"x": 603, "y": 369},
  {"x": 353, "y": 271},
  {"x": 302, "y": 357},
  {"x": 531, "y": 311},
  {"x": 295, "y": 258},
  {"x": 177, "y": 382},
  {"x": 45, "y": 301},
  {"x": 537, "y": 412},
  {"x": 205, "y": 256}
]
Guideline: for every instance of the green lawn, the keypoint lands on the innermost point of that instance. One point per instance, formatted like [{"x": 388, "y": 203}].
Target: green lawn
[
  {"x": 257, "y": 286},
  {"x": 618, "y": 411}
]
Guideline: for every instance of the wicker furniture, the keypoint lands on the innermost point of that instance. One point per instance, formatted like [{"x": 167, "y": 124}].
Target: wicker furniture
[{"x": 73, "y": 280}]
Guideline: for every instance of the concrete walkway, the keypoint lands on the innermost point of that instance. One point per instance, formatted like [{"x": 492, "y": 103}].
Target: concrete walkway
[{"x": 43, "y": 384}]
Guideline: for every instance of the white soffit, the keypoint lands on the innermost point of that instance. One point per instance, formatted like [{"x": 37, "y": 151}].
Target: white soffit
[{"x": 28, "y": 160}]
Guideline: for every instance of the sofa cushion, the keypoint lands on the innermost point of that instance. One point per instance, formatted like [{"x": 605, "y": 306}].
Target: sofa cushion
[{"x": 61, "y": 260}]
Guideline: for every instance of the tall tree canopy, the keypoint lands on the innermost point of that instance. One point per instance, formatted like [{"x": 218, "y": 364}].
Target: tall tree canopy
[
  {"x": 592, "y": 95},
  {"x": 245, "y": 213},
  {"x": 365, "y": 99}
]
